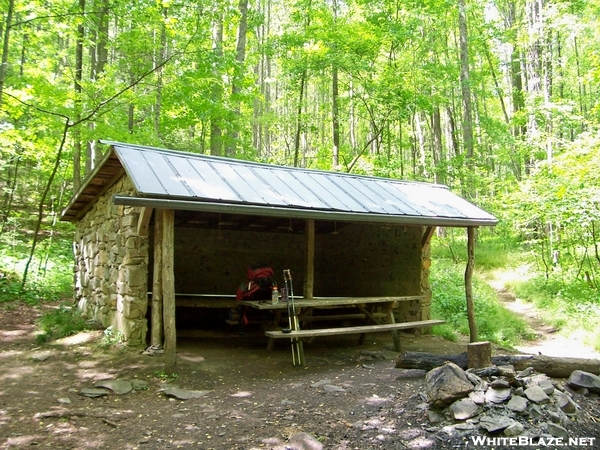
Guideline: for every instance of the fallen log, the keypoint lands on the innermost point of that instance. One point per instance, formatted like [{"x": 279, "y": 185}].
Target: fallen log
[{"x": 552, "y": 366}]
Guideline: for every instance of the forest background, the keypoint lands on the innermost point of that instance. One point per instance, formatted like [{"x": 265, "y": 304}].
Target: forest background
[{"x": 499, "y": 100}]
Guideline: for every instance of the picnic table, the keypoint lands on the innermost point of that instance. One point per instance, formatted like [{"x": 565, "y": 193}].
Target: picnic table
[{"x": 303, "y": 312}]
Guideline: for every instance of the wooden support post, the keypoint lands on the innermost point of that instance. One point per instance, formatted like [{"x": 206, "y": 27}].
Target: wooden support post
[
  {"x": 479, "y": 355},
  {"x": 169, "y": 290},
  {"x": 144, "y": 221},
  {"x": 310, "y": 259},
  {"x": 157, "y": 283},
  {"x": 469, "y": 283}
]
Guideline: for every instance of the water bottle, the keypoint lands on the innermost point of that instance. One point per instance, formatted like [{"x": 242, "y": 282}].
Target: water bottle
[{"x": 274, "y": 295}]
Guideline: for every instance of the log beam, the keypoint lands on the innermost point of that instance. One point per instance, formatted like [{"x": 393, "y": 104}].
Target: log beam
[
  {"x": 469, "y": 283},
  {"x": 156, "y": 334},
  {"x": 552, "y": 366},
  {"x": 310, "y": 259},
  {"x": 168, "y": 281},
  {"x": 479, "y": 355}
]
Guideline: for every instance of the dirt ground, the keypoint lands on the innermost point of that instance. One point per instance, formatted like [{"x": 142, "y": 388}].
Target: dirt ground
[{"x": 349, "y": 397}]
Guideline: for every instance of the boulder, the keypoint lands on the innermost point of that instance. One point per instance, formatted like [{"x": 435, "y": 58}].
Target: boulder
[
  {"x": 463, "y": 409},
  {"x": 493, "y": 395},
  {"x": 536, "y": 394},
  {"x": 580, "y": 379},
  {"x": 446, "y": 384},
  {"x": 517, "y": 404}
]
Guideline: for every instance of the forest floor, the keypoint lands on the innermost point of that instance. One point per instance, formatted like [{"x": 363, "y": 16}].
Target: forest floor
[{"x": 349, "y": 396}]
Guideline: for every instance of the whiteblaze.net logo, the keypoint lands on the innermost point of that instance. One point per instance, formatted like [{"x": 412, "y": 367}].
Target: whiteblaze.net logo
[{"x": 524, "y": 441}]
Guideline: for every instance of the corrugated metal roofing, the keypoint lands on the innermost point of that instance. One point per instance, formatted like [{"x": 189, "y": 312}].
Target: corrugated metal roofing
[{"x": 180, "y": 180}]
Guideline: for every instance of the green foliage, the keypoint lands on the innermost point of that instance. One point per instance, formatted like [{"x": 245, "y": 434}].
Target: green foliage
[
  {"x": 572, "y": 306},
  {"x": 52, "y": 277},
  {"x": 110, "y": 338},
  {"x": 163, "y": 376},
  {"x": 60, "y": 322},
  {"x": 494, "y": 323}
]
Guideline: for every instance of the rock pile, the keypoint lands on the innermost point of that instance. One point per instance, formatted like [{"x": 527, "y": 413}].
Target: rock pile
[{"x": 499, "y": 401}]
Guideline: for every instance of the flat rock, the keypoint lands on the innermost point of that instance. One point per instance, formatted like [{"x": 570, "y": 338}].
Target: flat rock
[
  {"x": 514, "y": 429},
  {"x": 463, "y": 409},
  {"x": 581, "y": 379},
  {"x": 493, "y": 424},
  {"x": 557, "y": 431},
  {"x": 536, "y": 394},
  {"x": 547, "y": 386},
  {"x": 565, "y": 403},
  {"x": 93, "y": 392},
  {"x": 477, "y": 397},
  {"x": 333, "y": 388},
  {"x": 446, "y": 384},
  {"x": 318, "y": 384},
  {"x": 497, "y": 395},
  {"x": 119, "y": 387},
  {"x": 433, "y": 417},
  {"x": 517, "y": 404},
  {"x": 184, "y": 394}
]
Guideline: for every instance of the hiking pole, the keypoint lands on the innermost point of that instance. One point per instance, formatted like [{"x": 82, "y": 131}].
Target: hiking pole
[
  {"x": 296, "y": 343},
  {"x": 291, "y": 328}
]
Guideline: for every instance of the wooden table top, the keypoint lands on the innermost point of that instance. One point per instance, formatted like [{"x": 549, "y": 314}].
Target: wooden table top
[{"x": 327, "y": 301}]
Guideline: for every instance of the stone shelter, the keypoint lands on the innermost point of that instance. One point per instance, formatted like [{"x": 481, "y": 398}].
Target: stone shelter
[{"x": 162, "y": 230}]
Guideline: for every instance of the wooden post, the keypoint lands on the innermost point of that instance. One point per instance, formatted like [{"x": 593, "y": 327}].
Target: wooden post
[
  {"x": 168, "y": 281},
  {"x": 479, "y": 355},
  {"x": 469, "y": 283},
  {"x": 310, "y": 259},
  {"x": 157, "y": 283}
]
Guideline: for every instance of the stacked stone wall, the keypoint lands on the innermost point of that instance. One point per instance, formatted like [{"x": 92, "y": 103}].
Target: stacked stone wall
[{"x": 111, "y": 266}]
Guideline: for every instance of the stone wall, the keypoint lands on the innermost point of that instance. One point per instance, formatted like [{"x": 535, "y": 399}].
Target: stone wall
[{"x": 111, "y": 266}]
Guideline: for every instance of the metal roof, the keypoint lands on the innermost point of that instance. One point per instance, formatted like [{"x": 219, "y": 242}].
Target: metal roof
[{"x": 189, "y": 181}]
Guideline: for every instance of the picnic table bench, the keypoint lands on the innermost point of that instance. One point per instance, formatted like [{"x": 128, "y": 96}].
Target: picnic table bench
[{"x": 303, "y": 308}]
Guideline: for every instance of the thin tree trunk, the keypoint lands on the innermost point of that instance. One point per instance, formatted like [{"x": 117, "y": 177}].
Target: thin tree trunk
[
  {"x": 216, "y": 132},
  {"x": 162, "y": 55},
  {"x": 436, "y": 147},
  {"x": 335, "y": 117},
  {"x": 10, "y": 193},
  {"x": 5, "y": 46},
  {"x": 469, "y": 283},
  {"x": 299, "y": 119},
  {"x": 78, "y": 90},
  {"x": 236, "y": 86},
  {"x": 465, "y": 81}
]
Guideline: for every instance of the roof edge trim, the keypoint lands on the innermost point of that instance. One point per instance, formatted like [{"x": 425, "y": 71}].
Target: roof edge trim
[{"x": 296, "y": 213}]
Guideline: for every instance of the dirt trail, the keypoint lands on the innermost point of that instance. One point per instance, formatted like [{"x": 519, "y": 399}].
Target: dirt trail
[{"x": 550, "y": 341}]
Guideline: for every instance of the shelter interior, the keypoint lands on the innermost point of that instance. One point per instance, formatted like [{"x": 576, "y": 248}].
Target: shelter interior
[{"x": 214, "y": 250}]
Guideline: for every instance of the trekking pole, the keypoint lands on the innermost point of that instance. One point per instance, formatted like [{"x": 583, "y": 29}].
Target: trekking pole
[
  {"x": 291, "y": 327},
  {"x": 294, "y": 324}
]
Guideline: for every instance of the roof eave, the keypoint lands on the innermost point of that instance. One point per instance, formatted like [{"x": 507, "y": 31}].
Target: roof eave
[{"x": 299, "y": 213}]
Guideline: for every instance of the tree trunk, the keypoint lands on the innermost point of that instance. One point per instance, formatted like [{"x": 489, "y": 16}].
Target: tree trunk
[
  {"x": 159, "y": 60},
  {"x": 168, "y": 285},
  {"x": 335, "y": 117},
  {"x": 465, "y": 81},
  {"x": 216, "y": 138},
  {"x": 550, "y": 365},
  {"x": 469, "y": 283},
  {"x": 78, "y": 89},
  {"x": 299, "y": 119},
  {"x": 5, "y": 46},
  {"x": 236, "y": 85},
  {"x": 436, "y": 146}
]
